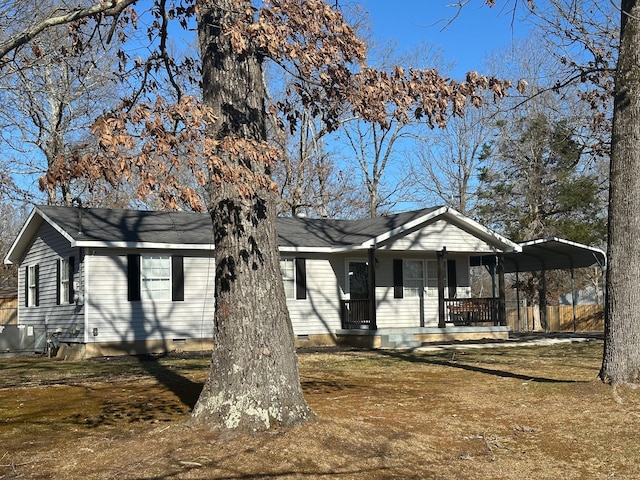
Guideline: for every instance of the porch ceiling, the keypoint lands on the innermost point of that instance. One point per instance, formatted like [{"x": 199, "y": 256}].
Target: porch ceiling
[{"x": 551, "y": 254}]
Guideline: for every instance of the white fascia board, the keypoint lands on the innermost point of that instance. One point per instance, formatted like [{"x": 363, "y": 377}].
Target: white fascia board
[
  {"x": 560, "y": 240},
  {"x": 143, "y": 245},
  {"x": 463, "y": 219},
  {"x": 305, "y": 249},
  {"x": 571, "y": 243},
  {"x": 402, "y": 228},
  {"x": 349, "y": 248},
  {"x": 57, "y": 227}
]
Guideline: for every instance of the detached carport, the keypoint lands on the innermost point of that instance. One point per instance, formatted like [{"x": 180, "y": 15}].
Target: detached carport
[{"x": 550, "y": 254}]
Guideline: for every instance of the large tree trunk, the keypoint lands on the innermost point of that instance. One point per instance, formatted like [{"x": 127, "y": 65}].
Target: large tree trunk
[
  {"x": 621, "y": 359},
  {"x": 253, "y": 382}
]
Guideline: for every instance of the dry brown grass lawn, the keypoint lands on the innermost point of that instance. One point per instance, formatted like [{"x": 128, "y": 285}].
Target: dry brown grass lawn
[{"x": 507, "y": 413}]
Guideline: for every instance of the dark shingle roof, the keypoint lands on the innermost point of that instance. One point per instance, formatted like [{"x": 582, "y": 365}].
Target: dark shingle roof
[
  {"x": 315, "y": 232},
  {"x": 131, "y": 226},
  {"x": 135, "y": 226}
]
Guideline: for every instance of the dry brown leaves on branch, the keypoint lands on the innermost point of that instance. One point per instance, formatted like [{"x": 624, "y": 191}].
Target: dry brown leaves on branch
[
  {"x": 312, "y": 42},
  {"x": 154, "y": 143}
]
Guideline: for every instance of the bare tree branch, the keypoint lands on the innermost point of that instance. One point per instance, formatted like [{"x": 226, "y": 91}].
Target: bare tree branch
[{"x": 112, "y": 8}]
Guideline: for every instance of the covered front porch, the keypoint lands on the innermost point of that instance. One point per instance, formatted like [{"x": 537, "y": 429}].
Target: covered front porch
[{"x": 458, "y": 318}]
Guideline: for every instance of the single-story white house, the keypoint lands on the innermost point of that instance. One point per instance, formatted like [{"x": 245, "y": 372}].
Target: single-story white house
[{"x": 123, "y": 281}]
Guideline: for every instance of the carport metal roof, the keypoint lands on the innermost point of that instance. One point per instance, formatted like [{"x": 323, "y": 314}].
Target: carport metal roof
[
  {"x": 553, "y": 254},
  {"x": 550, "y": 254}
]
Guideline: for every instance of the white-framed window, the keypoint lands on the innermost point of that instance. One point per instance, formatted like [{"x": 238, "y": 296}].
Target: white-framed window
[
  {"x": 64, "y": 281},
  {"x": 287, "y": 268},
  {"x": 155, "y": 277},
  {"x": 413, "y": 281},
  {"x": 432, "y": 278},
  {"x": 32, "y": 285}
]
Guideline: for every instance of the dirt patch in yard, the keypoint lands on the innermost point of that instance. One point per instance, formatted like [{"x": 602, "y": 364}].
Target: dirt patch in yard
[{"x": 505, "y": 413}]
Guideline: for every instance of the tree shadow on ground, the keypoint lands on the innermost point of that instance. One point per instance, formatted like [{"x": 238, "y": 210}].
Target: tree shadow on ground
[
  {"x": 185, "y": 389},
  {"x": 431, "y": 360}
]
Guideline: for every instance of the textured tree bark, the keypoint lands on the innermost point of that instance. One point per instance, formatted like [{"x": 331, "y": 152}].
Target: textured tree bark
[
  {"x": 621, "y": 358},
  {"x": 253, "y": 382}
]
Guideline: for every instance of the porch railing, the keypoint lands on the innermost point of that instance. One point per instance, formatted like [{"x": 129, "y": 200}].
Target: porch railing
[
  {"x": 355, "y": 314},
  {"x": 472, "y": 311}
]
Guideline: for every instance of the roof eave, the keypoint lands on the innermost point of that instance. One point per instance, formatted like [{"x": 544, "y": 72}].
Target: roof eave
[{"x": 144, "y": 245}]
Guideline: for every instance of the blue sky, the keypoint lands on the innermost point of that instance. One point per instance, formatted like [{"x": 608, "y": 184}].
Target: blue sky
[{"x": 477, "y": 31}]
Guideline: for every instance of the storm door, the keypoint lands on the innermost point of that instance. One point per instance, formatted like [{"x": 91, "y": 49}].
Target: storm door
[{"x": 357, "y": 308}]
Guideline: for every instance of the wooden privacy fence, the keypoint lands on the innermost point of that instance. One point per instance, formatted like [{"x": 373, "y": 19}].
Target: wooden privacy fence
[
  {"x": 589, "y": 318},
  {"x": 9, "y": 311}
]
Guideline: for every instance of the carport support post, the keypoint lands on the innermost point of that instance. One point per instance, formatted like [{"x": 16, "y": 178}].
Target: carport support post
[
  {"x": 441, "y": 269},
  {"x": 502, "y": 307},
  {"x": 573, "y": 300},
  {"x": 543, "y": 302},
  {"x": 373, "y": 325}
]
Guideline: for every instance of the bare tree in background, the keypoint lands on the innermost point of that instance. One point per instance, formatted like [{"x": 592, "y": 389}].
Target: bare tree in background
[
  {"x": 50, "y": 93},
  {"x": 381, "y": 148},
  {"x": 449, "y": 160}
]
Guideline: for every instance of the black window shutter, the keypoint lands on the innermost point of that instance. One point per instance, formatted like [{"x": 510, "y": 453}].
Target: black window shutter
[
  {"x": 26, "y": 286},
  {"x": 301, "y": 278},
  {"x": 133, "y": 277},
  {"x": 72, "y": 268},
  {"x": 398, "y": 291},
  {"x": 177, "y": 278},
  {"x": 452, "y": 280},
  {"x": 37, "y": 282},
  {"x": 58, "y": 262}
]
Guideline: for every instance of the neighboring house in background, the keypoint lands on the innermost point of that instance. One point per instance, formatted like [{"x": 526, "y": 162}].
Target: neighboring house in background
[{"x": 125, "y": 281}]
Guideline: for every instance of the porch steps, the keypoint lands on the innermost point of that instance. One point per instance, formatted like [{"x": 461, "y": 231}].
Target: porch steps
[{"x": 399, "y": 340}]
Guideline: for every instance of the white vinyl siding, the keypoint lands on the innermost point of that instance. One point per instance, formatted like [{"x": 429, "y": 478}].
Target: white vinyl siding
[
  {"x": 47, "y": 248},
  {"x": 118, "y": 319},
  {"x": 434, "y": 236},
  {"x": 319, "y": 313}
]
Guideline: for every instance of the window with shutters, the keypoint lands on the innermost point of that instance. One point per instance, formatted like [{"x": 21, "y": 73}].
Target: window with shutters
[
  {"x": 155, "y": 277},
  {"x": 287, "y": 268},
  {"x": 413, "y": 272},
  {"x": 294, "y": 277}
]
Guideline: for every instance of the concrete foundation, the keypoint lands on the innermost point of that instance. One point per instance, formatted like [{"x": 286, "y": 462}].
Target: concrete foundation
[
  {"x": 382, "y": 338},
  {"x": 415, "y": 337}
]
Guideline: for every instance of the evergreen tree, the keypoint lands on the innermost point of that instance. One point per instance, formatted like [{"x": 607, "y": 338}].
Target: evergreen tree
[{"x": 537, "y": 186}]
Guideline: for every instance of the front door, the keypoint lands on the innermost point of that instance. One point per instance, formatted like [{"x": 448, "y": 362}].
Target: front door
[{"x": 358, "y": 310}]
